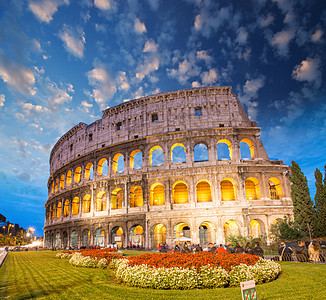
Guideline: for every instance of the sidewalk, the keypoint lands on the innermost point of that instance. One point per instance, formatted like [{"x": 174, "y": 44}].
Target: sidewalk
[{"x": 3, "y": 255}]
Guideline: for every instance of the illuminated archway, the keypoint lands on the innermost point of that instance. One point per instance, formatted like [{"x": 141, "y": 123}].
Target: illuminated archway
[
  {"x": 156, "y": 156},
  {"x": 117, "y": 198},
  {"x": 62, "y": 181},
  {"x": 101, "y": 201},
  {"x": 231, "y": 228},
  {"x": 69, "y": 178},
  {"x": 274, "y": 188},
  {"x": 157, "y": 194},
  {"x": 75, "y": 206},
  {"x": 206, "y": 233},
  {"x": 99, "y": 237},
  {"x": 102, "y": 167},
  {"x": 203, "y": 191},
  {"x": 224, "y": 149},
  {"x": 50, "y": 213},
  {"x": 180, "y": 193},
  {"x": 200, "y": 153},
  {"x": 52, "y": 187},
  {"x": 86, "y": 238},
  {"x": 228, "y": 189},
  {"x": 59, "y": 208},
  {"x": 87, "y": 203},
  {"x": 74, "y": 239},
  {"x": 66, "y": 208},
  {"x": 252, "y": 188},
  {"x": 182, "y": 230},
  {"x": 53, "y": 211},
  {"x": 178, "y": 153},
  {"x": 118, "y": 162},
  {"x": 136, "y": 236},
  {"x": 247, "y": 149},
  {"x": 158, "y": 235},
  {"x": 64, "y": 239},
  {"x": 117, "y": 236},
  {"x": 89, "y": 171},
  {"x": 136, "y": 160},
  {"x": 77, "y": 175},
  {"x": 136, "y": 196},
  {"x": 57, "y": 240},
  {"x": 255, "y": 229},
  {"x": 56, "y": 185}
]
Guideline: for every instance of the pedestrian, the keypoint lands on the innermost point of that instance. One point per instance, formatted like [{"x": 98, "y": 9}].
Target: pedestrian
[
  {"x": 302, "y": 252},
  {"x": 257, "y": 250},
  {"x": 238, "y": 249},
  {"x": 285, "y": 252},
  {"x": 314, "y": 251},
  {"x": 248, "y": 248}
]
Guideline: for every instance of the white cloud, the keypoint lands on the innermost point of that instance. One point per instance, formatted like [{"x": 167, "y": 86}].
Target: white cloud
[
  {"x": 150, "y": 65},
  {"x": 265, "y": 21},
  {"x": 122, "y": 81},
  {"x": 316, "y": 36},
  {"x": 195, "y": 84},
  {"x": 242, "y": 36},
  {"x": 19, "y": 116},
  {"x": 150, "y": 46},
  {"x": 2, "y": 100},
  {"x": 58, "y": 95},
  {"x": 308, "y": 70},
  {"x": 74, "y": 41},
  {"x": 154, "y": 4},
  {"x": 202, "y": 54},
  {"x": 30, "y": 108},
  {"x": 86, "y": 106},
  {"x": 104, "y": 86},
  {"x": 104, "y": 4},
  {"x": 139, "y": 27},
  {"x": 281, "y": 41},
  {"x": 45, "y": 9},
  {"x": 210, "y": 77}
]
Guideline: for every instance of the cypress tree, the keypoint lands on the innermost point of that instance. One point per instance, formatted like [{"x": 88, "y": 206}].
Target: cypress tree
[
  {"x": 303, "y": 208},
  {"x": 320, "y": 203}
]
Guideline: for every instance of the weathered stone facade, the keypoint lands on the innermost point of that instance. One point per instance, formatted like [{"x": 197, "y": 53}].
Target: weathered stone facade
[{"x": 167, "y": 175}]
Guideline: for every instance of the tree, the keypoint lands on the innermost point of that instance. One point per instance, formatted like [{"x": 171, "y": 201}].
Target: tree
[
  {"x": 303, "y": 207},
  {"x": 320, "y": 203},
  {"x": 286, "y": 230}
]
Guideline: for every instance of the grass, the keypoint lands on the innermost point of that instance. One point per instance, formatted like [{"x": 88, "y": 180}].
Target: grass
[{"x": 26, "y": 275}]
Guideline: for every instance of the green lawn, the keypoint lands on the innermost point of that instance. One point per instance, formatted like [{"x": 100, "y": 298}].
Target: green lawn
[{"x": 26, "y": 275}]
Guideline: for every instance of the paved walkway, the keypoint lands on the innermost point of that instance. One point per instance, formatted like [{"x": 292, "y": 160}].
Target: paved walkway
[{"x": 3, "y": 255}]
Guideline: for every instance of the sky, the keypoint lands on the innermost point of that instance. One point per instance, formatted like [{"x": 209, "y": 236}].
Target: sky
[{"x": 62, "y": 62}]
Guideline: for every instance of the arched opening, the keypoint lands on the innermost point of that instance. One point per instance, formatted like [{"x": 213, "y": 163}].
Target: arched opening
[
  {"x": 136, "y": 196},
  {"x": 178, "y": 153},
  {"x": 89, "y": 171},
  {"x": 136, "y": 160},
  {"x": 52, "y": 187},
  {"x": 231, "y": 228},
  {"x": 255, "y": 229},
  {"x": 66, "y": 208},
  {"x": 62, "y": 181},
  {"x": 50, "y": 213},
  {"x": 59, "y": 208},
  {"x": 75, "y": 206},
  {"x": 56, "y": 185},
  {"x": 68, "y": 178},
  {"x": 99, "y": 237},
  {"x": 86, "y": 238},
  {"x": 203, "y": 191},
  {"x": 101, "y": 201},
  {"x": 180, "y": 193},
  {"x": 247, "y": 149},
  {"x": 157, "y": 194},
  {"x": 228, "y": 190},
  {"x": 182, "y": 230},
  {"x": 117, "y": 199},
  {"x": 117, "y": 236},
  {"x": 64, "y": 240},
  {"x": 87, "y": 203},
  {"x": 57, "y": 240},
  {"x": 74, "y": 239},
  {"x": 156, "y": 156},
  {"x": 224, "y": 150},
  {"x": 200, "y": 153},
  {"x": 136, "y": 236},
  {"x": 158, "y": 236},
  {"x": 102, "y": 167},
  {"x": 118, "y": 163},
  {"x": 77, "y": 175},
  {"x": 53, "y": 211},
  {"x": 206, "y": 233},
  {"x": 252, "y": 187},
  {"x": 274, "y": 188}
]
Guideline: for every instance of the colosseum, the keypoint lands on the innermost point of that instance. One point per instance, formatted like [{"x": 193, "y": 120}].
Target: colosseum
[{"x": 182, "y": 165}]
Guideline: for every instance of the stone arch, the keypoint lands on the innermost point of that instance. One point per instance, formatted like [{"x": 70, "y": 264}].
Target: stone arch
[
  {"x": 64, "y": 240},
  {"x": 86, "y": 238},
  {"x": 118, "y": 162},
  {"x": 182, "y": 229},
  {"x": 256, "y": 228},
  {"x": 69, "y": 178},
  {"x": 101, "y": 201},
  {"x": 178, "y": 153},
  {"x": 56, "y": 185},
  {"x": 75, "y": 206},
  {"x": 204, "y": 191},
  {"x": 206, "y": 233},
  {"x": 136, "y": 159},
  {"x": 50, "y": 212},
  {"x": 102, "y": 167},
  {"x": 136, "y": 236},
  {"x": 117, "y": 198},
  {"x": 252, "y": 188},
  {"x": 87, "y": 203},
  {"x": 156, "y": 156},
  {"x": 180, "y": 192},
  {"x": 89, "y": 171},
  {"x": 158, "y": 235},
  {"x": 52, "y": 187},
  {"x": 117, "y": 236},
  {"x": 62, "y": 181},
  {"x": 77, "y": 175},
  {"x": 274, "y": 188},
  {"x": 157, "y": 195},
  {"x": 136, "y": 196},
  {"x": 228, "y": 189},
  {"x": 74, "y": 239},
  {"x": 53, "y": 211},
  {"x": 99, "y": 237},
  {"x": 59, "y": 208},
  {"x": 57, "y": 240},
  {"x": 66, "y": 208},
  {"x": 231, "y": 227},
  {"x": 224, "y": 150},
  {"x": 200, "y": 152},
  {"x": 247, "y": 149}
]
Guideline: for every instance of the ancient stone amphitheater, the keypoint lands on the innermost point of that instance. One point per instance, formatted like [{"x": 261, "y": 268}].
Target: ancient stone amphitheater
[{"x": 183, "y": 165}]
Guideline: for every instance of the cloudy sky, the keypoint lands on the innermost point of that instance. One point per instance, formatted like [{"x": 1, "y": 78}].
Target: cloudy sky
[{"x": 62, "y": 62}]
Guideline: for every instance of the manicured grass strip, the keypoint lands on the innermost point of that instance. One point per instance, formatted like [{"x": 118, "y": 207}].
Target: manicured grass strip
[{"x": 26, "y": 275}]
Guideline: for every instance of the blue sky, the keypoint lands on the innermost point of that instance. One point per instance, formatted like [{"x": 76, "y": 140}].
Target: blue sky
[{"x": 62, "y": 62}]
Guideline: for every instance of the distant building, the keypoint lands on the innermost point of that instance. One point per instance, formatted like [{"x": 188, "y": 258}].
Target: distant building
[{"x": 186, "y": 164}]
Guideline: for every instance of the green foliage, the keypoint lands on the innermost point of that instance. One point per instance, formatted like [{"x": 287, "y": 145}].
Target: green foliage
[
  {"x": 320, "y": 203},
  {"x": 286, "y": 230},
  {"x": 240, "y": 239}
]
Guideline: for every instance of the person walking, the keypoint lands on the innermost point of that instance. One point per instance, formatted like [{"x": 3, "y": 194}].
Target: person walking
[{"x": 257, "y": 250}]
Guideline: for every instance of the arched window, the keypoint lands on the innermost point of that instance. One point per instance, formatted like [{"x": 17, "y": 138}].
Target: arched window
[
  {"x": 68, "y": 179},
  {"x": 53, "y": 211},
  {"x": 252, "y": 188},
  {"x": 101, "y": 201},
  {"x": 178, "y": 153},
  {"x": 231, "y": 228},
  {"x": 89, "y": 171},
  {"x": 203, "y": 191},
  {"x": 52, "y": 187},
  {"x": 274, "y": 188},
  {"x": 77, "y": 175},
  {"x": 66, "y": 208},
  {"x": 117, "y": 199},
  {"x": 56, "y": 185},
  {"x": 157, "y": 194},
  {"x": 99, "y": 237},
  {"x": 180, "y": 193},
  {"x": 136, "y": 160},
  {"x": 87, "y": 203},
  {"x": 62, "y": 181},
  {"x": 182, "y": 230},
  {"x": 255, "y": 229},
  {"x": 75, "y": 206},
  {"x": 117, "y": 236},
  {"x": 50, "y": 213},
  {"x": 200, "y": 153},
  {"x": 159, "y": 235},
  {"x": 228, "y": 190},
  {"x": 224, "y": 150},
  {"x": 102, "y": 167},
  {"x": 156, "y": 156},
  {"x": 136, "y": 236},
  {"x": 136, "y": 196},
  {"x": 74, "y": 239},
  {"x": 86, "y": 238},
  {"x": 247, "y": 149},
  {"x": 206, "y": 233},
  {"x": 59, "y": 208},
  {"x": 118, "y": 163}
]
